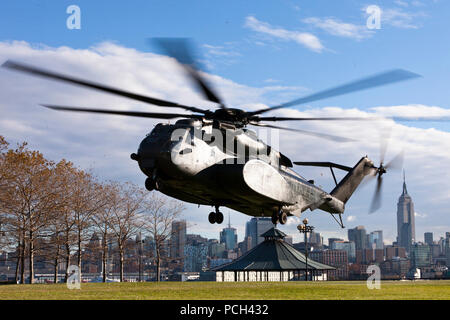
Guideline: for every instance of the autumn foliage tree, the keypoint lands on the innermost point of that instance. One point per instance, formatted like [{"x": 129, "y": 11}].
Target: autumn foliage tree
[{"x": 51, "y": 210}]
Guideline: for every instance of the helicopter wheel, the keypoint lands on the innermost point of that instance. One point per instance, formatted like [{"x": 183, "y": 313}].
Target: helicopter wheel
[
  {"x": 212, "y": 217},
  {"x": 282, "y": 217},
  {"x": 275, "y": 218},
  {"x": 150, "y": 184},
  {"x": 219, "y": 217}
]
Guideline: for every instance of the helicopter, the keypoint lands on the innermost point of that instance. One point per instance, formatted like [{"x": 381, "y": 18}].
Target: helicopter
[{"x": 211, "y": 157}]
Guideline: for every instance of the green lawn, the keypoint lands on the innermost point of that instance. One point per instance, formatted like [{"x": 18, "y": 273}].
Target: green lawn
[{"x": 390, "y": 290}]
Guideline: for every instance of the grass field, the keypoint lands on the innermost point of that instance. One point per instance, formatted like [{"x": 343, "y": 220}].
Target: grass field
[{"x": 390, "y": 290}]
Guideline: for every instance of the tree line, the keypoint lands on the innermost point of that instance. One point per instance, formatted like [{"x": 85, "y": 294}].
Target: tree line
[{"x": 53, "y": 208}]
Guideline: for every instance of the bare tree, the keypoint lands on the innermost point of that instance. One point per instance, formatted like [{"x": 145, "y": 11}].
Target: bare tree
[
  {"x": 86, "y": 199},
  {"x": 160, "y": 212},
  {"x": 126, "y": 219},
  {"x": 103, "y": 218}
]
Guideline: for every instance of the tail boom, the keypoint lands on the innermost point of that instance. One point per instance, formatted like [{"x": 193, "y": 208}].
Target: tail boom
[{"x": 347, "y": 186}]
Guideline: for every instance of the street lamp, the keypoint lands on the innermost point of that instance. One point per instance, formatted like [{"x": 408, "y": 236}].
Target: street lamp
[
  {"x": 139, "y": 242},
  {"x": 305, "y": 229}
]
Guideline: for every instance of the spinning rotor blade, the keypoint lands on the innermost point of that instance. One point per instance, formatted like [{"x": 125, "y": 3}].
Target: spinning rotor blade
[
  {"x": 84, "y": 83},
  {"x": 125, "y": 113},
  {"x": 376, "y": 200},
  {"x": 396, "y": 162},
  {"x": 312, "y": 119},
  {"x": 315, "y": 134},
  {"x": 181, "y": 49},
  {"x": 362, "y": 84},
  {"x": 384, "y": 141}
]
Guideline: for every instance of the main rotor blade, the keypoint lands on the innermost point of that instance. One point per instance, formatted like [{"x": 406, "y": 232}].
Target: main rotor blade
[
  {"x": 310, "y": 133},
  {"x": 313, "y": 119},
  {"x": 84, "y": 83},
  {"x": 369, "y": 118},
  {"x": 124, "y": 113},
  {"x": 396, "y": 162},
  {"x": 376, "y": 201},
  {"x": 384, "y": 141},
  {"x": 181, "y": 49},
  {"x": 362, "y": 84}
]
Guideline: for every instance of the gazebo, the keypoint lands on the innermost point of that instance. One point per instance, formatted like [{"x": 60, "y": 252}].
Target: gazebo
[{"x": 272, "y": 260}]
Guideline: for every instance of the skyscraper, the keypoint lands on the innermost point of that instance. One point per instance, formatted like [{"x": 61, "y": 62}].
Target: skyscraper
[
  {"x": 375, "y": 240},
  {"x": 331, "y": 240},
  {"x": 420, "y": 255},
  {"x": 228, "y": 236},
  {"x": 315, "y": 239},
  {"x": 406, "y": 232},
  {"x": 428, "y": 236},
  {"x": 257, "y": 226},
  {"x": 178, "y": 239},
  {"x": 358, "y": 236},
  {"x": 348, "y": 246}
]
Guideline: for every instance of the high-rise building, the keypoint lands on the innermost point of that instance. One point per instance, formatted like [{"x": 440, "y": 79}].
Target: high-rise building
[
  {"x": 394, "y": 251},
  {"x": 335, "y": 258},
  {"x": 358, "y": 236},
  {"x": 406, "y": 233},
  {"x": 315, "y": 238},
  {"x": 375, "y": 240},
  {"x": 379, "y": 255},
  {"x": 195, "y": 256},
  {"x": 216, "y": 249},
  {"x": 228, "y": 236},
  {"x": 420, "y": 255},
  {"x": 347, "y": 246},
  {"x": 428, "y": 237},
  {"x": 257, "y": 226},
  {"x": 331, "y": 240},
  {"x": 447, "y": 248},
  {"x": 178, "y": 239}
]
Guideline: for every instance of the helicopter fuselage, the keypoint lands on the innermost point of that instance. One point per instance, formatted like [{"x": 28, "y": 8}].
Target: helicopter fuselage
[{"x": 201, "y": 164}]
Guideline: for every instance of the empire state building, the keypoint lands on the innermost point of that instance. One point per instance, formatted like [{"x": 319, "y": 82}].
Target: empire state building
[{"x": 406, "y": 232}]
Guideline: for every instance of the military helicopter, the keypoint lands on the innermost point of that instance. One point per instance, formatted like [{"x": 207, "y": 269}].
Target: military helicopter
[{"x": 212, "y": 158}]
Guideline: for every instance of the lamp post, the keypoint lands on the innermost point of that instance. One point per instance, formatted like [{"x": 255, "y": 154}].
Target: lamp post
[
  {"x": 305, "y": 229},
  {"x": 139, "y": 242}
]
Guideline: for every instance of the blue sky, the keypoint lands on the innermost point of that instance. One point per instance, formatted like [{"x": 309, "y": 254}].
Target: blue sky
[
  {"x": 261, "y": 46},
  {"x": 418, "y": 45}
]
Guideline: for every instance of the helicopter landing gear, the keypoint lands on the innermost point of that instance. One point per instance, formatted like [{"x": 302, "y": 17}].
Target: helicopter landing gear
[
  {"x": 275, "y": 218},
  {"x": 215, "y": 217},
  {"x": 280, "y": 217},
  {"x": 151, "y": 184}
]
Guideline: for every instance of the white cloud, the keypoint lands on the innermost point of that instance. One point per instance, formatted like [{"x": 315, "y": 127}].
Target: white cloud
[
  {"x": 306, "y": 39},
  {"x": 401, "y": 3},
  {"x": 351, "y": 218},
  {"x": 413, "y": 111},
  {"x": 416, "y": 214},
  {"x": 339, "y": 28}
]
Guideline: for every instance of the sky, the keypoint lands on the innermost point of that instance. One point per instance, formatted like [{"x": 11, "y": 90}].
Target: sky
[{"x": 255, "y": 53}]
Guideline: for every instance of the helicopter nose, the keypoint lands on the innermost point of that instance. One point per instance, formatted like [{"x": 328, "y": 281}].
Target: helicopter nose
[{"x": 134, "y": 156}]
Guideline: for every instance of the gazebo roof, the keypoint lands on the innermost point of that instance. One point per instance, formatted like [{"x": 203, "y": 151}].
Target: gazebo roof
[{"x": 273, "y": 254}]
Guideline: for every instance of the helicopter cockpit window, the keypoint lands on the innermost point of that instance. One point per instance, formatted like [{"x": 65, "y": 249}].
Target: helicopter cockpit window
[{"x": 186, "y": 151}]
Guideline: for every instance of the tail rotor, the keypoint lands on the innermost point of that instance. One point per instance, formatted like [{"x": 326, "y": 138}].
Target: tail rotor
[{"x": 395, "y": 163}]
